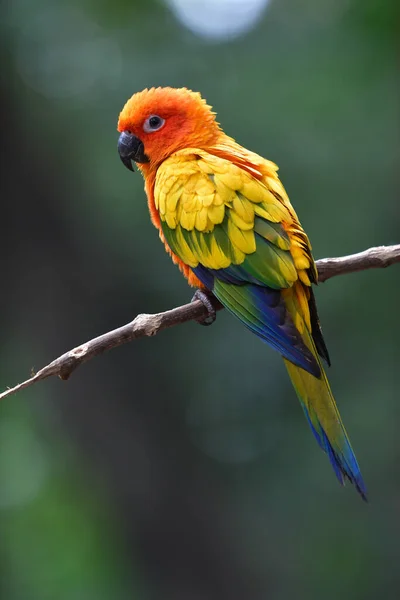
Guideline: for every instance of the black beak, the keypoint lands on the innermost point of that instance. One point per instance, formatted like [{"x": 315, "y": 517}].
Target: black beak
[{"x": 130, "y": 148}]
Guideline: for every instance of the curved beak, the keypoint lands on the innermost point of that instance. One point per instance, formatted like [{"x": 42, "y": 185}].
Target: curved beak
[{"x": 131, "y": 148}]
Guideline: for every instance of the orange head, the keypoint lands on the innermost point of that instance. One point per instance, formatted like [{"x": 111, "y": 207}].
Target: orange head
[{"x": 157, "y": 122}]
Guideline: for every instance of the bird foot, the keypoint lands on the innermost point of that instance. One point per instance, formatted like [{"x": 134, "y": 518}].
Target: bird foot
[{"x": 205, "y": 299}]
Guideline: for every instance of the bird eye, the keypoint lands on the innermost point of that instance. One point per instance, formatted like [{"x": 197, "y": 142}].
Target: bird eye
[{"x": 153, "y": 123}]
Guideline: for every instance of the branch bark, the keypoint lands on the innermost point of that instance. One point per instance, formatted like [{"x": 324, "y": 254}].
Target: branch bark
[
  {"x": 148, "y": 325},
  {"x": 374, "y": 258}
]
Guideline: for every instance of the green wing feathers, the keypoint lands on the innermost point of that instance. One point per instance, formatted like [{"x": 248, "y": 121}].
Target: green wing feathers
[{"x": 234, "y": 226}]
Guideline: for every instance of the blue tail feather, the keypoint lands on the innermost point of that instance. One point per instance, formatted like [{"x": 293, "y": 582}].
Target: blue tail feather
[{"x": 343, "y": 461}]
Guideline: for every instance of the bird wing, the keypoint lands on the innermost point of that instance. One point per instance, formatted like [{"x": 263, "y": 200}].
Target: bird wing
[
  {"x": 241, "y": 241},
  {"x": 234, "y": 226}
]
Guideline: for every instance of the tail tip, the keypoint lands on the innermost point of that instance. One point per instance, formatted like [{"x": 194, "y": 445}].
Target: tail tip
[
  {"x": 356, "y": 480},
  {"x": 360, "y": 487}
]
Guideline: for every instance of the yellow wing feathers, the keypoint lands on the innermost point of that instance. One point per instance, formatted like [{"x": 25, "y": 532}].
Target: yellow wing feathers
[{"x": 197, "y": 194}]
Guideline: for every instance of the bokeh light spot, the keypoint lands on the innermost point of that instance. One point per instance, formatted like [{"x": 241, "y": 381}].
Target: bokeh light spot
[{"x": 218, "y": 20}]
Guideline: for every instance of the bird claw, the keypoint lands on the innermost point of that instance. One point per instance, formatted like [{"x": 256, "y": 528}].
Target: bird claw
[{"x": 205, "y": 299}]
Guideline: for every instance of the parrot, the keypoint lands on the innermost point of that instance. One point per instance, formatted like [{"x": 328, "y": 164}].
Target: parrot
[{"x": 225, "y": 219}]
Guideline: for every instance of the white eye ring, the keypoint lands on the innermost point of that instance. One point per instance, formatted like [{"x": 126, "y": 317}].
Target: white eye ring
[{"x": 153, "y": 123}]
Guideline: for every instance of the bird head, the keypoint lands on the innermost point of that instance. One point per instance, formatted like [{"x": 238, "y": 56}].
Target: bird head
[{"x": 157, "y": 122}]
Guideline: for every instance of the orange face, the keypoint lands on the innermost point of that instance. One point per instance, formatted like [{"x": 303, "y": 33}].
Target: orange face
[{"x": 157, "y": 122}]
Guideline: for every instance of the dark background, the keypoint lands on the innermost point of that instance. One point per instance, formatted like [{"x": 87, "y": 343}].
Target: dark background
[{"x": 180, "y": 467}]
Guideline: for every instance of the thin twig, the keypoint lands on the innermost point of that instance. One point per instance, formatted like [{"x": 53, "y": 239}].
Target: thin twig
[
  {"x": 147, "y": 325},
  {"x": 374, "y": 258}
]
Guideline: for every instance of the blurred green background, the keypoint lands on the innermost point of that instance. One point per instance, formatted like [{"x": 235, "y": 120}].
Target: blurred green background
[{"x": 181, "y": 467}]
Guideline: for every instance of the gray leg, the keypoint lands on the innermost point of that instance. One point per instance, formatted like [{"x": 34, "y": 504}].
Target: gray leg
[{"x": 205, "y": 299}]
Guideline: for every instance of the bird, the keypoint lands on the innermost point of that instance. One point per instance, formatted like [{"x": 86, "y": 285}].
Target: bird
[{"x": 225, "y": 219}]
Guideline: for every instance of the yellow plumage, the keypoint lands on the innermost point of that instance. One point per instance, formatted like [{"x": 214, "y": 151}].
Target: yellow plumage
[
  {"x": 196, "y": 191},
  {"x": 227, "y": 221}
]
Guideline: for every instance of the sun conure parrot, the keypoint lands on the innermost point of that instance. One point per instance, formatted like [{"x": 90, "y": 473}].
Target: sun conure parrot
[{"x": 227, "y": 222}]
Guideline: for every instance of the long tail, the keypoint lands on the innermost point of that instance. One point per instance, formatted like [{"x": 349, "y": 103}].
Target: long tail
[
  {"x": 264, "y": 311},
  {"x": 317, "y": 399},
  {"x": 323, "y": 416}
]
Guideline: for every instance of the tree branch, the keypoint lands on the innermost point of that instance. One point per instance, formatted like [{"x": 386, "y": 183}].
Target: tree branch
[
  {"x": 147, "y": 325},
  {"x": 374, "y": 258}
]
